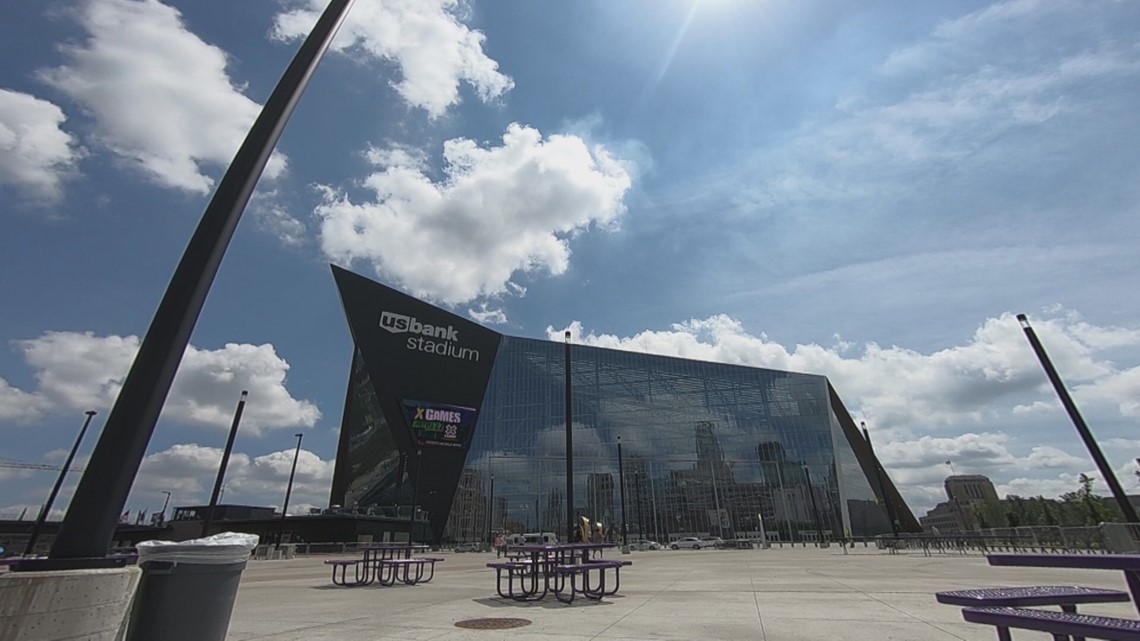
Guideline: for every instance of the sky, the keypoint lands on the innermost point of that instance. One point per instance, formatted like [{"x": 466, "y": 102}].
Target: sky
[{"x": 869, "y": 191}]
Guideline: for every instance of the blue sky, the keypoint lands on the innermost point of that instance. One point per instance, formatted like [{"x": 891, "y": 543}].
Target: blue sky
[{"x": 868, "y": 191}]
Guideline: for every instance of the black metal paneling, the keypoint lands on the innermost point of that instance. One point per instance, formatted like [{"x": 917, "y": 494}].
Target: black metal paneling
[{"x": 450, "y": 364}]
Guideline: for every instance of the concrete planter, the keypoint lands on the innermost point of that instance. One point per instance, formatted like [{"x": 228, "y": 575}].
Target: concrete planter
[{"x": 66, "y": 605}]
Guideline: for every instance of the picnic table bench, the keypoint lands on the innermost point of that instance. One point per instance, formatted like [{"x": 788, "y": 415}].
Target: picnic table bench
[
  {"x": 1061, "y": 625},
  {"x": 570, "y": 572},
  {"x": 1003, "y": 606},
  {"x": 385, "y": 571}
]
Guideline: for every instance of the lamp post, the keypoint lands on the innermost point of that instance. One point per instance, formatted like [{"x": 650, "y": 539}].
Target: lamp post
[
  {"x": 637, "y": 499},
  {"x": 289, "y": 488},
  {"x": 621, "y": 481},
  {"x": 879, "y": 476},
  {"x": 165, "y": 504},
  {"x": 89, "y": 525},
  {"x": 415, "y": 496},
  {"x": 215, "y": 497},
  {"x": 1079, "y": 422},
  {"x": 35, "y": 533},
  {"x": 491, "y": 513},
  {"x": 569, "y": 446},
  {"x": 814, "y": 510}
]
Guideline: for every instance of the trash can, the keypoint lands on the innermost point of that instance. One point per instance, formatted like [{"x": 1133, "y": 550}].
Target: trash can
[{"x": 187, "y": 589}]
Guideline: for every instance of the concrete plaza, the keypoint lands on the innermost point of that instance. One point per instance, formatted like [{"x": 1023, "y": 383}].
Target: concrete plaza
[{"x": 789, "y": 594}]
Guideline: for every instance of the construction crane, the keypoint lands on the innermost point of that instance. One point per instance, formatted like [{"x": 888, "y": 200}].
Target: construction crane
[{"x": 25, "y": 465}]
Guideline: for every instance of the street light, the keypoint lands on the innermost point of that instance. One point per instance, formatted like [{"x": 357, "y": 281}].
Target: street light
[
  {"x": 216, "y": 496},
  {"x": 35, "y": 533},
  {"x": 814, "y": 510},
  {"x": 415, "y": 496},
  {"x": 165, "y": 504},
  {"x": 569, "y": 446},
  {"x": 1079, "y": 423},
  {"x": 89, "y": 525},
  {"x": 621, "y": 481},
  {"x": 289, "y": 488},
  {"x": 491, "y": 512}
]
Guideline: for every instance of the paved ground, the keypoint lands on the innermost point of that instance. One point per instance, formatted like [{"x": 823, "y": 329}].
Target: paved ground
[{"x": 760, "y": 595}]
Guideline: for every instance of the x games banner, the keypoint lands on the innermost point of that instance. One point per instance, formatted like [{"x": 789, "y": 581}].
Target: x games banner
[{"x": 439, "y": 424}]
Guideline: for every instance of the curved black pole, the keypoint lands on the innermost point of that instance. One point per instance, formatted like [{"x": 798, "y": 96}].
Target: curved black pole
[
  {"x": 35, "y": 534},
  {"x": 1079, "y": 422},
  {"x": 89, "y": 525}
]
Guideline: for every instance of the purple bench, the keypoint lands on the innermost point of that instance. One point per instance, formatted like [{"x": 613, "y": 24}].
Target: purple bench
[
  {"x": 570, "y": 572},
  {"x": 1065, "y": 596},
  {"x": 361, "y": 578},
  {"x": 1061, "y": 625}
]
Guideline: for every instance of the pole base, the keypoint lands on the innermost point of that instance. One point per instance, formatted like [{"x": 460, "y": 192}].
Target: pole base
[{"x": 625, "y": 549}]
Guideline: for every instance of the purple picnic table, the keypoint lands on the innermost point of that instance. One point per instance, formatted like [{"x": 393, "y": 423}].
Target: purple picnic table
[{"x": 1129, "y": 564}]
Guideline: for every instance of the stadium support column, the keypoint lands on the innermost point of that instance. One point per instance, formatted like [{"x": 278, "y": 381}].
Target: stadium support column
[
  {"x": 880, "y": 476},
  {"x": 1079, "y": 422}
]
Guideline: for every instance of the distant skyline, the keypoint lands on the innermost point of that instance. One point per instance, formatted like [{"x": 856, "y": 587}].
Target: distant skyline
[{"x": 869, "y": 192}]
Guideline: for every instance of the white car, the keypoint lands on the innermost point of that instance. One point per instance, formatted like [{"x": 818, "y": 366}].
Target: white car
[
  {"x": 690, "y": 542},
  {"x": 645, "y": 545}
]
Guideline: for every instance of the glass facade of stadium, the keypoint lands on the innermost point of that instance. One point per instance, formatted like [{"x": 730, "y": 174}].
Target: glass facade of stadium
[{"x": 708, "y": 449}]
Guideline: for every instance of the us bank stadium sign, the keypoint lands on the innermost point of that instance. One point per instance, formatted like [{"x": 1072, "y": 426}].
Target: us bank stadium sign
[
  {"x": 439, "y": 424},
  {"x": 441, "y": 340}
]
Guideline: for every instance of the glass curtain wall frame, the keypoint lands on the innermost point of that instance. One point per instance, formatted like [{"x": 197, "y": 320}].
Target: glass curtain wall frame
[{"x": 716, "y": 448}]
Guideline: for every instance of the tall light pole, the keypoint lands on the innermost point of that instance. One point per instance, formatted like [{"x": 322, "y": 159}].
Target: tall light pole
[
  {"x": 35, "y": 533},
  {"x": 569, "y": 446},
  {"x": 289, "y": 488},
  {"x": 206, "y": 522},
  {"x": 1079, "y": 422},
  {"x": 814, "y": 510},
  {"x": 880, "y": 475},
  {"x": 89, "y": 525},
  {"x": 415, "y": 496},
  {"x": 165, "y": 504},
  {"x": 491, "y": 512},
  {"x": 621, "y": 481}
]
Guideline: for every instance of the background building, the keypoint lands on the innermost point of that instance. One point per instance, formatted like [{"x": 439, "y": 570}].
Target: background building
[
  {"x": 964, "y": 493},
  {"x": 437, "y": 404}
]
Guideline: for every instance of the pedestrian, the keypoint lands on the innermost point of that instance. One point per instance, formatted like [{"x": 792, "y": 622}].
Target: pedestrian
[{"x": 500, "y": 546}]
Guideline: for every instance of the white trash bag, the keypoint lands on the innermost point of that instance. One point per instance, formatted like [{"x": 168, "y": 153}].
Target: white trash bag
[{"x": 221, "y": 548}]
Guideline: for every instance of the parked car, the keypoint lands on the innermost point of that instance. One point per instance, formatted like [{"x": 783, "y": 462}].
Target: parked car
[
  {"x": 714, "y": 542},
  {"x": 689, "y": 542},
  {"x": 645, "y": 544},
  {"x": 468, "y": 547}
]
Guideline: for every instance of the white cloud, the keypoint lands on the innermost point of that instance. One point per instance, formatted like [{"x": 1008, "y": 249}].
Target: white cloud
[
  {"x": 18, "y": 405},
  {"x": 497, "y": 211},
  {"x": 488, "y": 316},
  {"x": 36, "y": 155},
  {"x": 81, "y": 371},
  {"x": 902, "y": 389},
  {"x": 944, "y": 115},
  {"x": 426, "y": 39},
  {"x": 160, "y": 96},
  {"x": 188, "y": 471},
  {"x": 928, "y": 408},
  {"x": 272, "y": 215}
]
